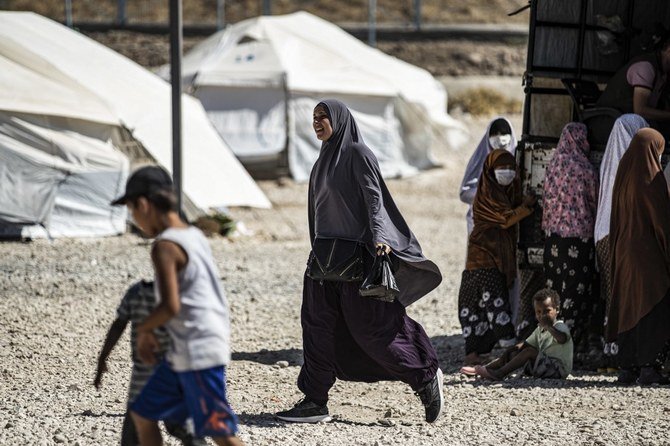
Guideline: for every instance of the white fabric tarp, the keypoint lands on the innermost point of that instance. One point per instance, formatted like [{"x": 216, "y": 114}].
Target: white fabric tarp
[
  {"x": 58, "y": 176},
  {"x": 260, "y": 79},
  {"x": 80, "y": 78}
]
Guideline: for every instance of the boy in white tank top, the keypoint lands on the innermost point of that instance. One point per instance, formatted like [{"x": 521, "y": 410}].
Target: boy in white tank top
[{"x": 190, "y": 383}]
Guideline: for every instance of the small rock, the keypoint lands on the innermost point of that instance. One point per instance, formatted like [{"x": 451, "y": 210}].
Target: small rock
[
  {"x": 616, "y": 407},
  {"x": 74, "y": 388},
  {"x": 87, "y": 413},
  {"x": 59, "y": 439},
  {"x": 514, "y": 413},
  {"x": 282, "y": 364},
  {"x": 389, "y": 413},
  {"x": 386, "y": 422},
  {"x": 666, "y": 409},
  {"x": 564, "y": 415},
  {"x": 9, "y": 425}
]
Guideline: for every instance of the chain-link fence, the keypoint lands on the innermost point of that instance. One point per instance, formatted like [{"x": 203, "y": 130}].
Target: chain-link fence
[{"x": 411, "y": 13}]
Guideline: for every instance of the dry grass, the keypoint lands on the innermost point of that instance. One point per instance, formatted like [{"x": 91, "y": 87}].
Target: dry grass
[
  {"x": 204, "y": 11},
  {"x": 484, "y": 102}
]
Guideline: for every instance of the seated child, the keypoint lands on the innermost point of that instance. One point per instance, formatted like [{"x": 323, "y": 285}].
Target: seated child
[
  {"x": 546, "y": 353},
  {"x": 138, "y": 302}
]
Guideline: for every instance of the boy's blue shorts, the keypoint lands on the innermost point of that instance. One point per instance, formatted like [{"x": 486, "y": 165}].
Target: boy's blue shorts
[{"x": 178, "y": 396}]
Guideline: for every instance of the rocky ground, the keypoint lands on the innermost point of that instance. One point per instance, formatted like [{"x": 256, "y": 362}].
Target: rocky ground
[{"x": 58, "y": 299}]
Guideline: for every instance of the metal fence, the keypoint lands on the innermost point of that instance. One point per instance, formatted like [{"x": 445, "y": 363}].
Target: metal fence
[{"x": 367, "y": 17}]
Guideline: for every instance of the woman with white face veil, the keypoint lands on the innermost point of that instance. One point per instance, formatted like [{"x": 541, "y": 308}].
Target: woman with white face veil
[
  {"x": 499, "y": 135},
  {"x": 622, "y": 133}
]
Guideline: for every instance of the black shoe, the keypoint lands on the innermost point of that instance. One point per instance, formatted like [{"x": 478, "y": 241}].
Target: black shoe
[
  {"x": 432, "y": 397},
  {"x": 649, "y": 375},
  {"x": 627, "y": 376},
  {"x": 306, "y": 411}
]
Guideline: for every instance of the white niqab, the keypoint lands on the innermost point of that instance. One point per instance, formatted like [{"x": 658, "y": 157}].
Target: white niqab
[{"x": 625, "y": 127}]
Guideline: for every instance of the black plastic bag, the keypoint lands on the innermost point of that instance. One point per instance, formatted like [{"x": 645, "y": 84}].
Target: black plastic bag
[{"x": 380, "y": 283}]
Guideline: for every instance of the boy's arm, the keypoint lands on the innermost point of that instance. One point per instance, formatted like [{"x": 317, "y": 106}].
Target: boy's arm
[
  {"x": 168, "y": 259},
  {"x": 113, "y": 335},
  {"x": 559, "y": 336}
]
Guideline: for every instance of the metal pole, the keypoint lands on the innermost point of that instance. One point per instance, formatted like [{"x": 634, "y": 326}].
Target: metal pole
[
  {"x": 267, "y": 7},
  {"x": 417, "y": 14},
  {"x": 68, "y": 13},
  {"x": 220, "y": 14},
  {"x": 121, "y": 12},
  {"x": 175, "y": 79},
  {"x": 372, "y": 23}
]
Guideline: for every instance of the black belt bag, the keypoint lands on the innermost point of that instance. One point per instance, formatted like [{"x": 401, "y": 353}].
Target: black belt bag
[{"x": 335, "y": 259}]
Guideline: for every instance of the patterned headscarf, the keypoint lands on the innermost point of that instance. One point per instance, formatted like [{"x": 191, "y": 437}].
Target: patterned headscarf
[{"x": 571, "y": 187}]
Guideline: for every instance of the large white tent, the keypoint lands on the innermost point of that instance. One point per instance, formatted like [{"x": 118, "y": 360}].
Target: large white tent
[
  {"x": 260, "y": 79},
  {"x": 71, "y": 110}
]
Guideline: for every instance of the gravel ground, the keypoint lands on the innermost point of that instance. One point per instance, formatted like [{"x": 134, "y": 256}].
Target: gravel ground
[{"x": 58, "y": 300}]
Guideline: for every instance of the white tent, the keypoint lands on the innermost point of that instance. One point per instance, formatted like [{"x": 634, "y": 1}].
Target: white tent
[
  {"x": 260, "y": 79},
  {"x": 69, "y": 107}
]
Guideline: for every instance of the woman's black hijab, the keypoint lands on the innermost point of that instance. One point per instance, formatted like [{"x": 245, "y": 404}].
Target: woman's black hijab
[{"x": 348, "y": 198}]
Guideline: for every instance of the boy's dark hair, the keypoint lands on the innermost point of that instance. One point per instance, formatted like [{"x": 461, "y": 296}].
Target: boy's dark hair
[
  {"x": 548, "y": 293},
  {"x": 163, "y": 200}
]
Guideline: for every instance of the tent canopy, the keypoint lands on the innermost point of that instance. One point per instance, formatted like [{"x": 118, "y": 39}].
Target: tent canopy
[
  {"x": 56, "y": 71},
  {"x": 260, "y": 79}
]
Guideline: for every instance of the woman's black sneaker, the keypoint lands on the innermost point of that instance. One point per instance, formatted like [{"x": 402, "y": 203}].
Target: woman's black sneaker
[
  {"x": 432, "y": 397},
  {"x": 306, "y": 411}
]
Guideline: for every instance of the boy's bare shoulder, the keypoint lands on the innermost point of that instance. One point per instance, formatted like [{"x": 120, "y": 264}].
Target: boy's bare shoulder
[{"x": 167, "y": 251}]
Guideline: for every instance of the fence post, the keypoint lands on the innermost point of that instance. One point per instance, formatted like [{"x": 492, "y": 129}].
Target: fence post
[
  {"x": 267, "y": 7},
  {"x": 68, "y": 13},
  {"x": 121, "y": 12},
  {"x": 417, "y": 14},
  {"x": 220, "y": 14},
  {"x": 372, "y": 23}
]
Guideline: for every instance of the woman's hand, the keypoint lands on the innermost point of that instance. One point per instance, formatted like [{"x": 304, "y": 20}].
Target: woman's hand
[{"x": 383, "y": 248}]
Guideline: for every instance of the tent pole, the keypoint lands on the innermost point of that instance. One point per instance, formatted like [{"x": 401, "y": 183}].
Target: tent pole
[
  {"x": 175, "y": 79},
  {"x": 68, "y": 13},
  {"x": 372, "y": 23},
  {"x": 220, "y": 14}
]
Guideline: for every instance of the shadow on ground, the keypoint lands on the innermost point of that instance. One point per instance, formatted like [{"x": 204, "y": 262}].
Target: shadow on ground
[{"x": 269, "y": 357}]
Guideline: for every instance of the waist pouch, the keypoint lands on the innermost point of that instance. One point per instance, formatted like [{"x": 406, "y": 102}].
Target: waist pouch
[{"x": 337, "y": 260}]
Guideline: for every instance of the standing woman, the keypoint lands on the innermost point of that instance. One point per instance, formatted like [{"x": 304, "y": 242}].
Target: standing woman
[
  {"x": 499, "y": 135},
  {"x": 625, "y": 127},
  {"x": 491, "y": 268},
  {"x": 570, "y": 201},
  {"x": 640, "y": 250},
  {"x": 346, "y": 336}
]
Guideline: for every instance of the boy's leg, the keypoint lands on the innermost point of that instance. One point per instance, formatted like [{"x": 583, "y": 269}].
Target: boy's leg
[
  {"x": 526, "y": 354},
  {"x": 205, "y": 397},
  {"x": 147, "y": 430},
  {"x": 160, "y": 399},
  {"x": 179, "y": 431},
  {"x": 227, "y": 441},
  {"x": 128, "y": 431},
  {"x": 510, "y": 353}
]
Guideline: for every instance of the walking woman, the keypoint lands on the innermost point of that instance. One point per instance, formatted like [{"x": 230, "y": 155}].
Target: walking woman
[
  {"x": 499, "y": 135},
  {"x": 570, "y": 201},
  {"x": 491, "y": 268},
  {"x": 347, "y": 336},
  {"x": 640, "y": 248},
  {"x": 625, "y": 127}
]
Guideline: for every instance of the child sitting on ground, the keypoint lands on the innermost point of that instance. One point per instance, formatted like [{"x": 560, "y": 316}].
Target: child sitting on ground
[{"x": 546, "y": 353}]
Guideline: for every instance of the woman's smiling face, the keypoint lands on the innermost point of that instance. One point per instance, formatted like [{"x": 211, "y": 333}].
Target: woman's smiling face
[{"x": 321, "y": 124}]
